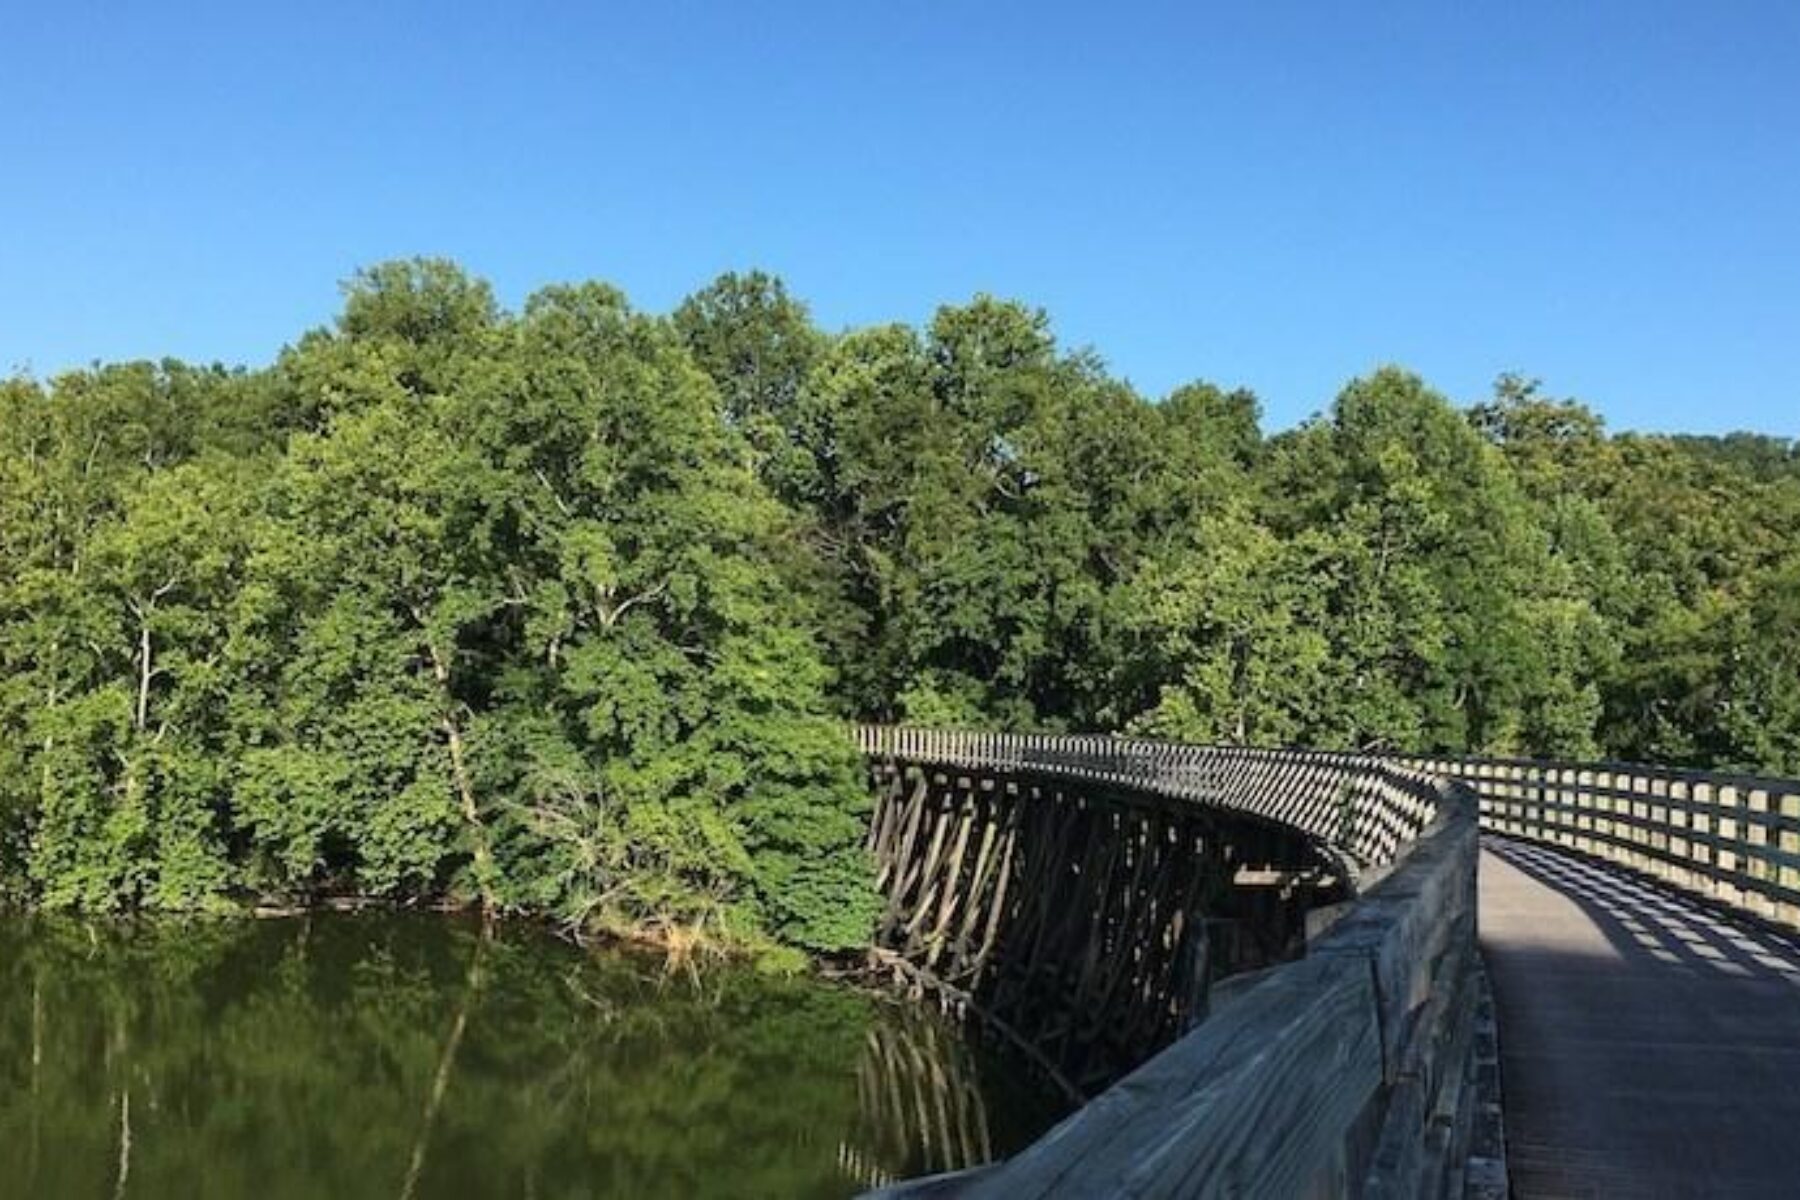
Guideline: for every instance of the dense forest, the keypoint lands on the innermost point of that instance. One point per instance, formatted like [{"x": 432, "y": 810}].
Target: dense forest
[{"x": 563, "y": 610}]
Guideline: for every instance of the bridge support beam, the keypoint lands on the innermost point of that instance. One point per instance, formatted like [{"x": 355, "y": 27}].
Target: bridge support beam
[{"x": 1084, "y": 920}]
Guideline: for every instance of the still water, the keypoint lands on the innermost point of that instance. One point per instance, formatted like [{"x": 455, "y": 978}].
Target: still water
[{"x": 412, "y": 1055}]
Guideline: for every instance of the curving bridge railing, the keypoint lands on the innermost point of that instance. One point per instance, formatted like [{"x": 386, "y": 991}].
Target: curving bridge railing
[
  {"x": 1347, "y": 1072},
  {"x": 1362, "y": 811}
]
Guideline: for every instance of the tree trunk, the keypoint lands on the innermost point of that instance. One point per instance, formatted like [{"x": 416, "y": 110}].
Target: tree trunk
[
  {"x": 465, "y": 786},
  {"x": 144, "y": 609},
  {"x": 144, "y": 669}
]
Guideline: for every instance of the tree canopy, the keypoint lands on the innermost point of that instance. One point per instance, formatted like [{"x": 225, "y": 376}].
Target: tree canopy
[{"x": 563, "y": 609}]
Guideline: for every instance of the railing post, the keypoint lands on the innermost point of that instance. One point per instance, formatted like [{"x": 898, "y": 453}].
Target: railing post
[
  {"x": 1788, "y": 842},
  {"x": 1607, "y": 802},
  {"x": 1759, "y": 840},
  {"x": 1732, "y": 830},
  {"x": 1681, "y": 837},
  {"x": 1658, "y": 788},
  {"x": 1643, "y": 836},
  {"x": 1579, "y": 797}
]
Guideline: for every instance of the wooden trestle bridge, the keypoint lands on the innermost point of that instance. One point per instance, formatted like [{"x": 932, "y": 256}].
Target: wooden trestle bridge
[{"x": 1263, "y": 971}]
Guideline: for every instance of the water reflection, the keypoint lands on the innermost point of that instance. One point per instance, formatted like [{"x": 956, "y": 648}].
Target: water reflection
[{"x": 416, "y": 1056}]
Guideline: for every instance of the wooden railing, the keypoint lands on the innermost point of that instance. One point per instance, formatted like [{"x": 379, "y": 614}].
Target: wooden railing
[
  {"x": 1347, "y": 1072},
  {"x": 1362, "y": 810},
  {"x": 1731, "y": 839}
]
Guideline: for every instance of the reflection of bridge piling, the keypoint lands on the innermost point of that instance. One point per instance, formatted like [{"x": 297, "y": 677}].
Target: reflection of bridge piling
[{"x": 919, "y": 1104}]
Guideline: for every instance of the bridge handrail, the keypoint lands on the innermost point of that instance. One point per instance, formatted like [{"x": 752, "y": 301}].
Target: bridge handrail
[
  {"x": 1363, "y": 809},
  {"x": 1621, "y": 766},
  {"x": 1727, "y": 837}
]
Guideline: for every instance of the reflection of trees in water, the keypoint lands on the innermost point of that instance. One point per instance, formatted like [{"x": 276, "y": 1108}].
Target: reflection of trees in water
[
  {"x": 446, "y": 1065},
  {"x": 366, "y": 1055}
]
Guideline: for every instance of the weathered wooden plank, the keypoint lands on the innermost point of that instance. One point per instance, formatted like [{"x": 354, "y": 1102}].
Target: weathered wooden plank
[
  {"x": 1401, "y": 927},
  {"x": 1428, "y": 1095},
  {"x": 1228, "y": 1120},
  {"x": 931, "y": 1187}
]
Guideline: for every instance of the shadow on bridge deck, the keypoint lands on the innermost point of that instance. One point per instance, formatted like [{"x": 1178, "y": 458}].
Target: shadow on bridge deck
[{"x": 1650, "y": 1047}]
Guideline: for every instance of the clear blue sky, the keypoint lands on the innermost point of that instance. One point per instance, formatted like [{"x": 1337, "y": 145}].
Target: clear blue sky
[{"x": 1605, "y": 195}]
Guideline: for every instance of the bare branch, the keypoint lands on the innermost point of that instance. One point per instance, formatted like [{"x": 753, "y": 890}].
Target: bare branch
[
  {"x": 610, "y": 617},
  {"x": 558, "y": 500}
]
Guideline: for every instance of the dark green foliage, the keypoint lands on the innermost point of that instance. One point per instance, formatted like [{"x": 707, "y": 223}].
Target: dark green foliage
[
  {"x": 562, "y": 610},
  {"x": 505, "y": 616}
]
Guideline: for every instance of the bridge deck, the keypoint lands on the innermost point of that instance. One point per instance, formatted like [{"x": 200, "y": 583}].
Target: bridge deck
[{"x": 1649, "y": 1048}]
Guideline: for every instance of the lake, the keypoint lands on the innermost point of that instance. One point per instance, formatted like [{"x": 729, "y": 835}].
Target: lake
[{"x": 407, "y": 1055}]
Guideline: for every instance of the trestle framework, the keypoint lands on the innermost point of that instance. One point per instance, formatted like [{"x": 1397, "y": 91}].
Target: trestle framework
[
  {"x": 1084, "y": 893},
  {"x": 1143, "y": 898}
]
